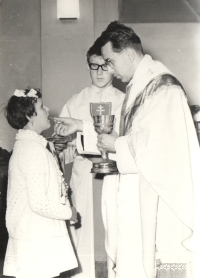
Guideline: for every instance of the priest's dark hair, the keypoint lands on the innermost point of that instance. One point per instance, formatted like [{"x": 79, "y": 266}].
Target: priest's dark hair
[{"x": 121, "y": 36}]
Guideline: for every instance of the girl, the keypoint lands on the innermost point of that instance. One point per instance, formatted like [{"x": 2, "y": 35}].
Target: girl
[{"x": 39, "y": 245}]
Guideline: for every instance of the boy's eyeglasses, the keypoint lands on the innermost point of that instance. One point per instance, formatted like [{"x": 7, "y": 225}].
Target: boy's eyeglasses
[{"x": 93, "y": 66}]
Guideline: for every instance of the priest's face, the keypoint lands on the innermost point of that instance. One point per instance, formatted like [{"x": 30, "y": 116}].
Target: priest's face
[
  {"x": 119, "y": 63},
  {"x": 99, "y": 72}
]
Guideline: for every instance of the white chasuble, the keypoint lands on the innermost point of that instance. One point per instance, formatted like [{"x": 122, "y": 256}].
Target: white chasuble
[{"x": 164, "y": 148}]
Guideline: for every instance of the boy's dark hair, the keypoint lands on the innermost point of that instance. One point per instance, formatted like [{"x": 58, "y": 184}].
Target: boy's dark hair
[
  {"x": 95, "y": 49},
  {"x": 18, "y": 108}
]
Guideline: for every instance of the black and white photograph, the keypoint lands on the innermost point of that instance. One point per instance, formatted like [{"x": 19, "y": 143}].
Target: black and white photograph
[{"x": 99, "y": 138}]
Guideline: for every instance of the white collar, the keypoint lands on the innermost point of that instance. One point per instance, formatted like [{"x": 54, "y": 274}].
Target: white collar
[
  {"x": 142, "y": 68},
  {"x": 103, "y": 90}
]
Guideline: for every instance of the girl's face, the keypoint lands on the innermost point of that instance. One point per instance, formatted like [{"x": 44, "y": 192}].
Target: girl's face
[{"x": 40, "y": 121}]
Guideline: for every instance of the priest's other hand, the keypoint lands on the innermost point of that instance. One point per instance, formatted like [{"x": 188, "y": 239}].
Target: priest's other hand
[
  {"x": 67, "y": 126},
  {"x": 106, "y": 142}
]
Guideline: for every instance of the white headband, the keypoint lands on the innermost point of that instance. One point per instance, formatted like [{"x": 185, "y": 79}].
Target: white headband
[{"x": 21, "y": 93}]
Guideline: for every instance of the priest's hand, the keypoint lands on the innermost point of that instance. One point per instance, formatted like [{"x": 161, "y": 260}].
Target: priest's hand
[
  {"x": 67, "y": 126},
  {"x": 106, "y": 142}
]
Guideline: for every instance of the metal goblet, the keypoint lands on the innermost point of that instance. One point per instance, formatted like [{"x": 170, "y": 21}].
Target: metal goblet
[{"x": 104, "y": 124}]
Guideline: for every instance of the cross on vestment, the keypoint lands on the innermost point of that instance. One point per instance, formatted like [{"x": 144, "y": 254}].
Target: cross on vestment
[{"x": 101, "y": 108}]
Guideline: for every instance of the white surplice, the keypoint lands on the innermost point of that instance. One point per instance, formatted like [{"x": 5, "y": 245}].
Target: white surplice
[
  {"x": 158, "y": 160},
  {"x": 78, "y": 107}
]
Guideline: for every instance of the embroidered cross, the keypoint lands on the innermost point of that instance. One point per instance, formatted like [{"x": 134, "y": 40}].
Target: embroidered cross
[{"x": 99, "y": 109}]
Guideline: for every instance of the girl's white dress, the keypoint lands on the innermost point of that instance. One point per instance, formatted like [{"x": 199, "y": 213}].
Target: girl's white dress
[{"x": 39, "y": 245}]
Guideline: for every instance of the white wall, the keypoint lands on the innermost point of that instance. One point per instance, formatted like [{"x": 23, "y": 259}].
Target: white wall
[{"x": 177, "y": 45}]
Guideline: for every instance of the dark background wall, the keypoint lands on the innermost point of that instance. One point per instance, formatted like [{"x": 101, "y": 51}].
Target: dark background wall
[{"x": 162, "y": 11}]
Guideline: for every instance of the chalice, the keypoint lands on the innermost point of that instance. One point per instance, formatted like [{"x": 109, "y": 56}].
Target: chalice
[{"x": 104, "y": 124}]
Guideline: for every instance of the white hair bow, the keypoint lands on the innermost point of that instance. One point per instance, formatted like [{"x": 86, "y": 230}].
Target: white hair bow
[
  {"x": 21, "y": 93},
  {"x": 32, "y": 93}
]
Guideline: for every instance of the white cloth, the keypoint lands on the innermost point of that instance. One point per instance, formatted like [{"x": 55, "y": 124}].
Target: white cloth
[
  {"x": 78, "y": 107},
  {"x": 158, "y": 161},
  {"x": 39, "y": 244}
]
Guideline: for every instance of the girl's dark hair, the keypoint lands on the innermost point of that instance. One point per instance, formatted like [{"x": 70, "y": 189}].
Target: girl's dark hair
[{"x": 18, "y": 108}]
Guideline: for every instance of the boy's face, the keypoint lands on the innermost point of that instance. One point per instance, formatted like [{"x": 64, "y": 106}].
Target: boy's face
[{"x": 100, "y": 78}]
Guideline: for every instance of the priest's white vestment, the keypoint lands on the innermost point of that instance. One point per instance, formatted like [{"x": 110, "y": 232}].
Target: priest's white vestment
[{"x": 158, "y": 159}]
